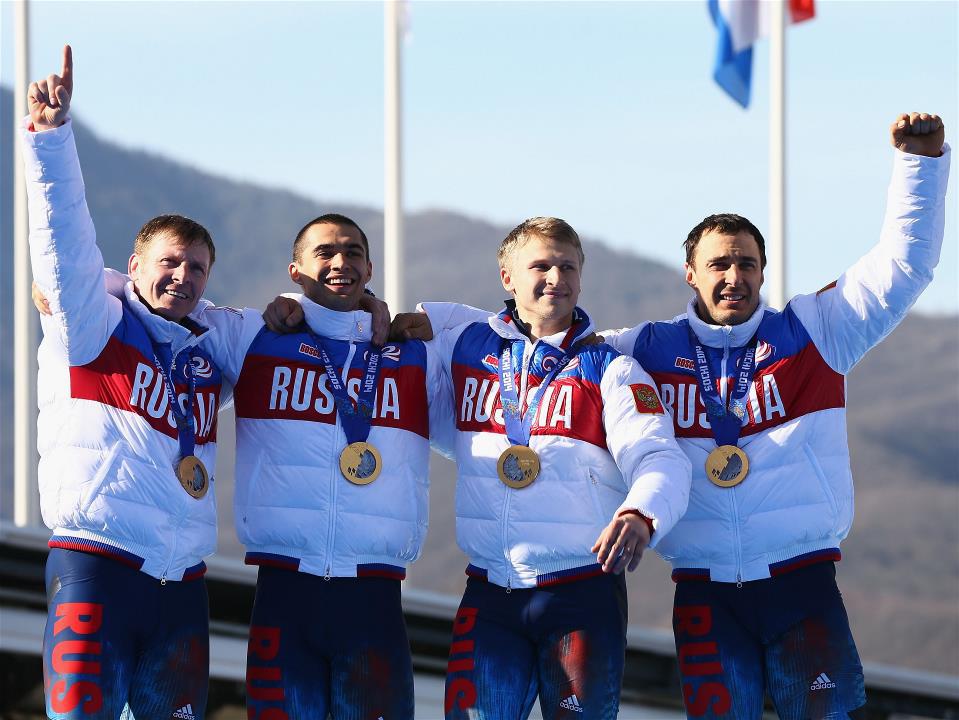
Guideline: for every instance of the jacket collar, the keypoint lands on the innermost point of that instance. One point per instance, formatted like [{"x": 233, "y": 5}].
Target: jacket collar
[
  {"x": 719, "y": 336},
  {"x": 508, "y": 325},
  {"x": 162, "y": 331},
  {"x": 355, "y": 326}
]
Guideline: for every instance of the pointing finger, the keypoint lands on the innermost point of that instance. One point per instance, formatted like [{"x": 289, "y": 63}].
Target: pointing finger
[{"x": 67, "y": 72}]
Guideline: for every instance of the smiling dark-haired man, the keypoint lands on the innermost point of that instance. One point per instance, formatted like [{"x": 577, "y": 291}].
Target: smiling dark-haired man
[
  {"x": 758, "y": 402},
  {"x": 332, "y": 471}
]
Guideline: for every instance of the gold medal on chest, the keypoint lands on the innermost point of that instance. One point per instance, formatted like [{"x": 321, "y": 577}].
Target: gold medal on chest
[
  {"x": 360, "y": 463},
  {"x": 518, "y": 466},
  {"x": 192, "y": 474},
  {"x": 727, "y": 466}
]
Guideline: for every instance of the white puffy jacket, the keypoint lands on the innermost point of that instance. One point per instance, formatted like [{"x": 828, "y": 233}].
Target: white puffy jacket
[
  {"x": 293, "y": 507},
  {"x": 796, "y": 504},
  {"x": 603, "y": 439},
  {"x": 106, "y": 437}
]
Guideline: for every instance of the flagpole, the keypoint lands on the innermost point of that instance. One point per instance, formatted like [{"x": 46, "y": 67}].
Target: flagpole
[
  {"x": 776, "y": 239},
  {"x": 25, "y": 494},
  {"x": 393, "y": 200}
]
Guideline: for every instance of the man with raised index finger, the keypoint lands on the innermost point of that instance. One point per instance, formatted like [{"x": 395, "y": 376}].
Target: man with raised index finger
[{"x": 128, "y": 394}]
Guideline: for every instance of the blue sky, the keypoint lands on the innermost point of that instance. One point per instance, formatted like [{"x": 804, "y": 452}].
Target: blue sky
[{"x": 604, "y": 114}]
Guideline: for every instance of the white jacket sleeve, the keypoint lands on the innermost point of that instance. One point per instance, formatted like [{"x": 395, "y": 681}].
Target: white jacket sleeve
[
  {"x": 873, "y": 296},
  {"x": 447, "y": 315},
  {"x": 234, "y": 330},
  {"x": 449, "y": 320},
  {"x": 67, "y": 264},
  {"x": 439, "y": 391},
  {"x": 639, "y": 434},
  {"x": 622, "y": 340}
]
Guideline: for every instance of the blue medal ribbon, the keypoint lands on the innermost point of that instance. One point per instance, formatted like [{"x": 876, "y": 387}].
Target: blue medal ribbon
[
  {"x": 185, "y": 423},
  {"x": 726, "y": 420},
  {"x": 519, "y": 425},
  {"x": 356, "y": 418}
]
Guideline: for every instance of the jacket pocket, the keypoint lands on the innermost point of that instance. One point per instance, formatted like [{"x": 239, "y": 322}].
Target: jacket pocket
[
  {"x": 246, "y": 489},
  {"x": 592, "y": 482},
  {"x": 823, "y": 480},
  {"x": 104, "y": 472}
]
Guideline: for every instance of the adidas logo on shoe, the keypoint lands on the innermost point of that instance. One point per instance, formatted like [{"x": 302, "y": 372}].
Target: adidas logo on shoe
[
  {"x": 571, "y": 703},
  {"x": 185, "y": 713},
  {"x": 822, "y": 683}
]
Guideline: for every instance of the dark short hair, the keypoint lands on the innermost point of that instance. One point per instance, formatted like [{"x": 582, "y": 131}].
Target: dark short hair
[
  {"x": 727, "y": 224},
  {"x": 186, "y": 231},
  {"x": 546, "y": 228},
  {"x": 328, "y": 219}
]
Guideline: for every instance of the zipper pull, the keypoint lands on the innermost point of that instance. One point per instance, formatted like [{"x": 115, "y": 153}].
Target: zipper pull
[
  {"x": 509, "y": 585},
  {"x": 739, "y": 581},
  {"x": 163, "y": 579},
  {"x": 326, "y": 577}
]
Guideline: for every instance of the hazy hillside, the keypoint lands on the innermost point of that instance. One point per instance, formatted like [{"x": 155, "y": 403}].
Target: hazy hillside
[{"x": 900, "y": 575}]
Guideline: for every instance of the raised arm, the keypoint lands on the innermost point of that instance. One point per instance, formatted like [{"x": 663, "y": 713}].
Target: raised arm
[
  {"x": 847, "y": 318},
  {"x": 67, "y": 264}
]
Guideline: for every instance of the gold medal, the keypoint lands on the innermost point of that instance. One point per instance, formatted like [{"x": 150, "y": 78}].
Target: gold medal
[
  {"x": 727, "y": 466},
  {"x": 518, "y": 466},
  {"x": 192, "y": 474},
  {"x": 360, "y": 463}
]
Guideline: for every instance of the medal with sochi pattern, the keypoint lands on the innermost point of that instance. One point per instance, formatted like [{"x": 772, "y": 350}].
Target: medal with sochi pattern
[
  {"x": 519, "y": 465},
  {"x": 360, "y": 461},
  {"x": 192, "y": 474},
  {"x": 727, "y": 465},
  {"x": 189, "y": 469}
]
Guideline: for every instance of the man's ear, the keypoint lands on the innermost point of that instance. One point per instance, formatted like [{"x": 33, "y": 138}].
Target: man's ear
[
  {"x": 690, "y": 276},
  {"x": 507, "y": 279},
  {"x": 295, "y": 274},
  {"x": 133, "y": 266}
]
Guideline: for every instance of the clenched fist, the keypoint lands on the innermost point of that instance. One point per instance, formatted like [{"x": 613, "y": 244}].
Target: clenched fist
[{"x": 919, "y": 134}]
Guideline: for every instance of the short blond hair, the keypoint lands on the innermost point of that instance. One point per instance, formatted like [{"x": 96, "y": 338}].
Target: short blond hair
[{"x": 545, "y": 228}]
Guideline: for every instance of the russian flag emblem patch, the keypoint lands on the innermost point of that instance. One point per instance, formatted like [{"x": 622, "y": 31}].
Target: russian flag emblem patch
[{"x": 646, "y": 399}]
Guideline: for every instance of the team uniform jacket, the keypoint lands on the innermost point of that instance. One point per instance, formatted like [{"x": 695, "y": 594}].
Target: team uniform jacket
[
  {"x": 602, "y": 437},
  {"x": 107, "y": 439},
  {"x": 293, "y": 507},
  {"x": 796, "y": 504}
]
